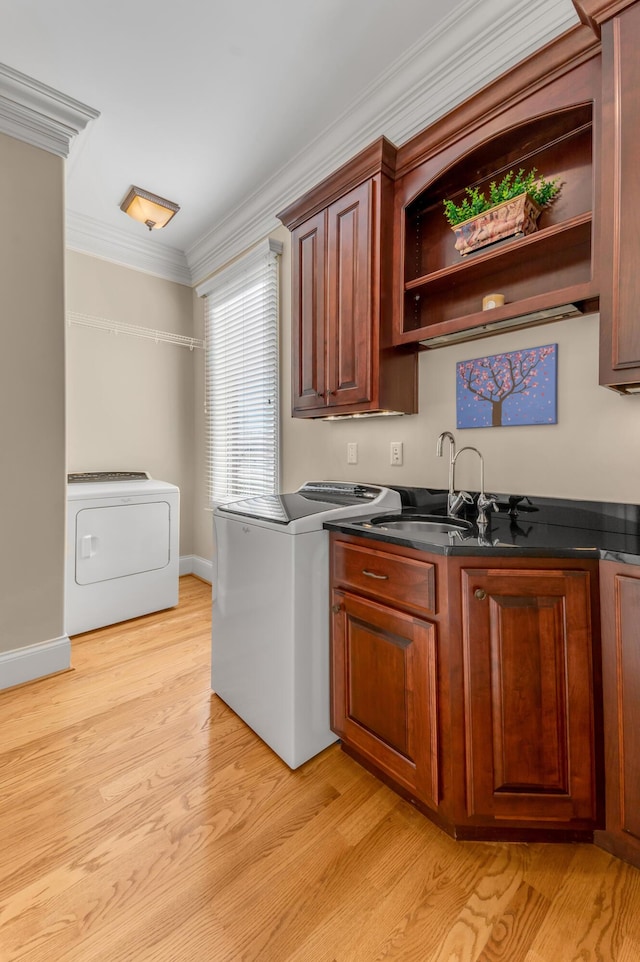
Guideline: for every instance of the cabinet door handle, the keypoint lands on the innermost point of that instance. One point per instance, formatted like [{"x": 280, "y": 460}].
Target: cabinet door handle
[
  {"x": 480, "y": 594},
  {"x": 336, "y": 609},
  {"x": 372, "y": 574}
]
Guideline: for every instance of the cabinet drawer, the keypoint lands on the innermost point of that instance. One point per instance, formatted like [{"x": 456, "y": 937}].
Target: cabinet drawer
[{"x": 405, "y": 582}]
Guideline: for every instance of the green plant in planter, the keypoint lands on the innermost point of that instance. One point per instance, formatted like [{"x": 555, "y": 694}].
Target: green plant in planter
[{"x": 541, "y": 191}]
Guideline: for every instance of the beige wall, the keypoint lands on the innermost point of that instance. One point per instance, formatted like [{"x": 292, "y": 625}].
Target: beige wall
[
  {"x": 31, "y": 396},
  {"x": 130, "y": 400},
  {"x": 593, "y": 452}
]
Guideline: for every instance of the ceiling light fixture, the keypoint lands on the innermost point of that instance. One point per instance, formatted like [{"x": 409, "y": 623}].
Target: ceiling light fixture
[{"x": 148, "y": 208}]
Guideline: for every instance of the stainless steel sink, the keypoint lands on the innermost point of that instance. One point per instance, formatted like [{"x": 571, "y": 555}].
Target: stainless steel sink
[{"x": 420, "y": 524}]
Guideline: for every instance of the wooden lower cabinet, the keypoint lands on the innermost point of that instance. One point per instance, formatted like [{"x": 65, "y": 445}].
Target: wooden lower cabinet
[
  {"x": 620, "y": 594},
  {"x": 529, "y": 698},
  {"x": 474, "y": 690},
  {"x": 385, "y": 691}
]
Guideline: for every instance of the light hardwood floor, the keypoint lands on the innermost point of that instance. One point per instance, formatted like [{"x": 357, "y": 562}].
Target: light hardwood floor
[{"x": 141, "y": 821}]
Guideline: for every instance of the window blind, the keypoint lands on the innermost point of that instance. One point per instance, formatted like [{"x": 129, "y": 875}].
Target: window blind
[{"x": 241, "y": 376}]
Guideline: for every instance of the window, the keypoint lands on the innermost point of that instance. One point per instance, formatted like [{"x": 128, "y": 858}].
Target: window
[{"x": 241, "y": 376}]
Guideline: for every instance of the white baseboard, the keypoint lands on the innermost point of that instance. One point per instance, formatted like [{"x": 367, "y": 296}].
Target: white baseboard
[
  {"x": 48, "y": 657},
  {"x": 192, "y": 564},
  {"x": 34, "y": 661}
]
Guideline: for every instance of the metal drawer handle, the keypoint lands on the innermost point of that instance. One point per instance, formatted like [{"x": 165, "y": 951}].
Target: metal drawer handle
[
  {"x": 480, "y": 594},
  {"x": 372, "y": 574}
]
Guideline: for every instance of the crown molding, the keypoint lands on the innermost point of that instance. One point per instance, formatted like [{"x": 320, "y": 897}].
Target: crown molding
[
  {"x": 487, "y": 45},
  {"x": 419, "y": 88},
  {"x": 416, "y": 90},
  {"x": 239, "y": 268},
  {"x": 39, "y": 115},
  {"x": 89, "y": 236}
]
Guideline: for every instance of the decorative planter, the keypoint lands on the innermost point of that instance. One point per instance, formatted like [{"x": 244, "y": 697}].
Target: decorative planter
[{"x": 515, "y": 216}]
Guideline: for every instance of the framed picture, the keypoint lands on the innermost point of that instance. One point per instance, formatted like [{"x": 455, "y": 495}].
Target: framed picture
[{"x": 502, "y": 390}]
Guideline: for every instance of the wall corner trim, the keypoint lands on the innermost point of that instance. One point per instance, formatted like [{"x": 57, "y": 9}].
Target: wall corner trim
[{"x": 34, "y": 661}]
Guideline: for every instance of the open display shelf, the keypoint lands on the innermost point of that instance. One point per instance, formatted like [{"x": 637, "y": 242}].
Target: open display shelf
[{"x": 548, "y": 269}]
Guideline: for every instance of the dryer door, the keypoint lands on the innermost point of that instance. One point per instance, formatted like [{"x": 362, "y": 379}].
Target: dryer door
[{"x": 120, "y": 540}]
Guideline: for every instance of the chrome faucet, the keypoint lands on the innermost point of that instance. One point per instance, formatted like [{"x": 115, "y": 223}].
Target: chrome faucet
[
  {"x": 485, "y": 501},
  {"x": 448, "y": 436},
  {"x": 463, "y": 494},
  {"x": 455, "y": 500}
]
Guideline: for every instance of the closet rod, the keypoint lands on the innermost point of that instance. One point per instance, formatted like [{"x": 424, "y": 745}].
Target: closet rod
[{"x": 117, "y": 327}]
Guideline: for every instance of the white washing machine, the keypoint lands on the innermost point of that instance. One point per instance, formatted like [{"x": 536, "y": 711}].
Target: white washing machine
[
  {"x": 123, "y": 544},
  {"x": 270, "y": 625}
]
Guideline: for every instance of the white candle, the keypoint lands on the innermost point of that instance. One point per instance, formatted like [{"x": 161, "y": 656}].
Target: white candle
[{"x": 492, "y": 300}]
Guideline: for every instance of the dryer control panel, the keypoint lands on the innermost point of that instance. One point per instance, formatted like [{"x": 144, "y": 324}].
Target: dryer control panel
[{"x": 86, "y": 477}]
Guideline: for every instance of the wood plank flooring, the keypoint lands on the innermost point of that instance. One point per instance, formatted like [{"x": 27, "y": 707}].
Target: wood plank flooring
[{"x": 141, "y": 821}]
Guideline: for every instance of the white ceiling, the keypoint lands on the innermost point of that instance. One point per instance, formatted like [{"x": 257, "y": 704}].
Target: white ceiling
[{"x": 234, "y": 109}]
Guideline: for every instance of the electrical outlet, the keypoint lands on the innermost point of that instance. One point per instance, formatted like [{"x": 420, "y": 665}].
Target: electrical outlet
[
  {"x": 396, "y": 456},
  {"x": 352, "y": 452}
]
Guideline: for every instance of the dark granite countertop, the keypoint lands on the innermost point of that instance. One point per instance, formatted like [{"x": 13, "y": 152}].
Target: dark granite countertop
[{"x": 523, "y": 526}]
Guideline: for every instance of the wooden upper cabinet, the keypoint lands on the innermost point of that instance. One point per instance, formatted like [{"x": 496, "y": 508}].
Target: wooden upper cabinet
[
  {"x": 620, "y": 295},
  {"x": 342, "y": 358},
  {"x": 375, "y": 270},
  {"x": 349, "y": 291},
  {"x": 542, "y": 114},
  {"x": 331, "y": 357},
  {"x": 620, "y": 599},
  {"x": 308, "y": 273},
  {"x": 594, "y": 13},
  {"x": 529, "y": 697}
]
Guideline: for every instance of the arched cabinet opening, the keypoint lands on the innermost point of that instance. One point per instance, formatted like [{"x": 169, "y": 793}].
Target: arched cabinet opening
[{"x": 542, "y": 276}]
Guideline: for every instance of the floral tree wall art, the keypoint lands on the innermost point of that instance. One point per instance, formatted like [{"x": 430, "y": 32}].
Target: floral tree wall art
[{"x": 518, "y": 387}]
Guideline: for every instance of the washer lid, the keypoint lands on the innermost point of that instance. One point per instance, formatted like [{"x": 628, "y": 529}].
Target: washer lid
[{"x": 315, "y": 497}]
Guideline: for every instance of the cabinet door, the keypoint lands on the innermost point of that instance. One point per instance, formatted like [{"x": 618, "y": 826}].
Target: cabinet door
[
  {"x": 620, "y": 595},
  {"x": 308, "y": 252},
  {"x": 384, "y": 691},
  {"x": 620, "y": 294},
  {"x": 349, "y": 297},
  {"x": 528, "y": 697}
]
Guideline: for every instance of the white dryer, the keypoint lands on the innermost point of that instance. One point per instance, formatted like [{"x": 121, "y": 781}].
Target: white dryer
[{"x": 123, "y": 531}]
